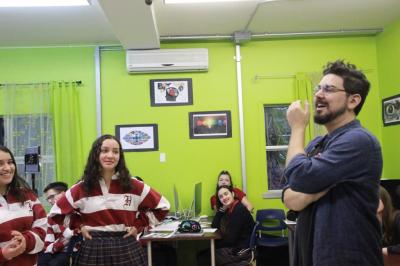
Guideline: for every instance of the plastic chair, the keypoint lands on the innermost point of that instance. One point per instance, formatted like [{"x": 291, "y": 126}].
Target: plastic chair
[
  {"x": 270, "y": 221},
  {"x": 252, "y": 249},
  {"x": 253, "y": 244}
]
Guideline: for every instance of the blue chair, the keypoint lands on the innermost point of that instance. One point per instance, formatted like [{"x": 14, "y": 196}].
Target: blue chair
[
  {"x": 252, "y": 249},
  {"x": 271, "y": 228},
  {"x": 253, "y": 244}
]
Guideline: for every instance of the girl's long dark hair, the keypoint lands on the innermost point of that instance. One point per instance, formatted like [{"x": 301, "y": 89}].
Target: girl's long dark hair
[
  {"x": 92, "y": 173},
  {"x": 18, "y": 185},
  {"x": 388, "y": 216}
]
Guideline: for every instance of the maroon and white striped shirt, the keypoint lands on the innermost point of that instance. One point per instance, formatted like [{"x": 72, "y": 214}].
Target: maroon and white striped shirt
[
  {"x": 58, "y": 236},
  {"x": 112, "y": 209},
  {"x": 28, "y": 218}
]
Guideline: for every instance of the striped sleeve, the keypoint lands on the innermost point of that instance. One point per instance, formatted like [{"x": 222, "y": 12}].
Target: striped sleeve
[
  {"x": 35, "y": 237},
  {"x": 156, "y": 205},
  {"x": 64, "y": 206},
  {"x": 2, "y": 259},
  {"x": 57, "y": 237}
]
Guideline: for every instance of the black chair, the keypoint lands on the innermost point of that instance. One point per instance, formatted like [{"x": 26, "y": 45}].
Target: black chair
[{"x": 271, "y": 228}]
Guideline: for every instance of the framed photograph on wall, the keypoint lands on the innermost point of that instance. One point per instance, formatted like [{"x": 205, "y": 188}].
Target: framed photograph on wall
[
  {"x": 139, "y": 137},
  {"x": 164, "y": 92},
  {"x": 212, "y": 124},
  {"x": 391, "y": 110}
]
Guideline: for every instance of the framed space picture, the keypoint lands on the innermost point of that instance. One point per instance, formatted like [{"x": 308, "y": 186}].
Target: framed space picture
[
  {"x": 391, "y": 110},
  {"x": 212, "y": 124},
  {"x": 139, "y": 137},
  {"x": 164, "y": 92}
]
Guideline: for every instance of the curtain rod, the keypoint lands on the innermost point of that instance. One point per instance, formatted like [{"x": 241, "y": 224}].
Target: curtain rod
[{"x": 78, "y": 82}]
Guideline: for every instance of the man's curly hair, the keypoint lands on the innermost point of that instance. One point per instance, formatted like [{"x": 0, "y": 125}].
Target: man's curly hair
[{"x": 354, "y": 81}]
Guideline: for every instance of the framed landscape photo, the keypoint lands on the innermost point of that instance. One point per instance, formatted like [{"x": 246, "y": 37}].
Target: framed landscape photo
[
  {"x": 211, "y": 124},
  {"x": 139, "y": 137},
  {"x": 164, "y": 92},
  {"x": 391, "y": 110}
]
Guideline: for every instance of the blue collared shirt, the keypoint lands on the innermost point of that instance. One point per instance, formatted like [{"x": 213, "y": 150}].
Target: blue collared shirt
[{"x": 346, "y": 230}]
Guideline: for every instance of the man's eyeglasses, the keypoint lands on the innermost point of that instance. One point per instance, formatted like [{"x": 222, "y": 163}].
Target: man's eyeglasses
[{"x": 327, "y": 89}]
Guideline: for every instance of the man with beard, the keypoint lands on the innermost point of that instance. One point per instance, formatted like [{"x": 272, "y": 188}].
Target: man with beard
[{"x": 334, "y": 181}]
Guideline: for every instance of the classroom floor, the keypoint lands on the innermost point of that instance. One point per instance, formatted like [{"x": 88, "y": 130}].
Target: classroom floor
[{"x": 272, "y": 256}]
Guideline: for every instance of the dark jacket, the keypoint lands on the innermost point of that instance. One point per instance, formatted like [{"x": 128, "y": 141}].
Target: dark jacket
[{"x": 238, "y": 228}]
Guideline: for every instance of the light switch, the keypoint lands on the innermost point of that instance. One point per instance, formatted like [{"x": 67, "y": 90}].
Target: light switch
[{"x": 163, "y": 157}]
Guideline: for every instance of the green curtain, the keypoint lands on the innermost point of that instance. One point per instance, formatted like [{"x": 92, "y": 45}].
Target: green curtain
[
  {"x": 303, "y": 90},
  {"x": 67, "y": 131}
]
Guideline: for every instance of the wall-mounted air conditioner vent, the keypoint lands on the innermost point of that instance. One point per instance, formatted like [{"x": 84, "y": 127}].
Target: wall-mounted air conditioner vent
[{"x": 167, "y": 60}]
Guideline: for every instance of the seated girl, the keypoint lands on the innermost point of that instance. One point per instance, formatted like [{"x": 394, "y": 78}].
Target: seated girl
[
  {"x": 235, "y": 224},
  {"x": 225, "y": 179},
  {"x": 390, "y": 219}
]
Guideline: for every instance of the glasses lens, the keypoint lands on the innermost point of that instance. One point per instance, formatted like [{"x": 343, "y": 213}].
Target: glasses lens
[{"x": 325, "y": 89}]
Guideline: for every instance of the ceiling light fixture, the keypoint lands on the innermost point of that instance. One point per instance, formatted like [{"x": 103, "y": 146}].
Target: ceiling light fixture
[
  {"x": 42, "y": 3},
  {"x": 204, "y": 1},
  {"x": 213, "y": 1}
]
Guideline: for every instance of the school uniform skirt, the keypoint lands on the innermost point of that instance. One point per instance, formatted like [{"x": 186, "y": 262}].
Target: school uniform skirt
[{"x": 109, "y": 249}]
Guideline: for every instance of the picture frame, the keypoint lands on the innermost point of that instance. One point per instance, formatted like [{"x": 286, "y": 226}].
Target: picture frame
[
  {"x": 168, "y": 92},
  {"x": 138, "y": 137},
  {"x": 391, "y": 110},
  {"x": 210, "y": 124}
]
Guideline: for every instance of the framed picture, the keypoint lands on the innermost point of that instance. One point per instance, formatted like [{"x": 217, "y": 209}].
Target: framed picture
[
  {"x": 140, "y": 137},
  {"x": 171, "y": 92},
  {"x": 213, "y": 124},
  {"x": 391, "y": 110}
]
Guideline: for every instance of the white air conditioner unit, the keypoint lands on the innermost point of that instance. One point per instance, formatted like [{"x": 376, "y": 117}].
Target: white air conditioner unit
[{"x": 167, "y": 60}]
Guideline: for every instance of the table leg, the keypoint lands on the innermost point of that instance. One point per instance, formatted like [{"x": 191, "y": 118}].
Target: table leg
[
  {"x": 291, "y": 243},
  {"x": 149, "y": 262},
  {"x": 212, "y": 252}
]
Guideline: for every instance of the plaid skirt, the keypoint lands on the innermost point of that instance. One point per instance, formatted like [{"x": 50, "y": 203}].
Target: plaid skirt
[{"x": 110, "y": 248}]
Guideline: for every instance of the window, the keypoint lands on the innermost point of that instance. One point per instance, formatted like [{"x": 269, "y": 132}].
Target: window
[
  {"x": 277, "y": 135},
  {"x": 22, "y": 131}
]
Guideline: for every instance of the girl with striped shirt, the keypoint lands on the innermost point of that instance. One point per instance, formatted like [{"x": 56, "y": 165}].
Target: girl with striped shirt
[
  {"x": 23, "y": 220},
  {"x": 108, "y": 200}
]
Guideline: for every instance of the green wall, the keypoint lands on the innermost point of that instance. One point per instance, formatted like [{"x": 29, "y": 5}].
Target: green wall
[
  {"x": 388, "y": 49},
  {"x": 126, "y": 100}
]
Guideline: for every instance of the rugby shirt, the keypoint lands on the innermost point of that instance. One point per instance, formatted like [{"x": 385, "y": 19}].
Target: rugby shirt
[
  {"x": 28, "y": 218},
  {"x": 112, "y": 209}
]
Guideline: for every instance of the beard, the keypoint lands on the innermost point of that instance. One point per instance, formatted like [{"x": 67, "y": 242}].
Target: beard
[{"x": 322, "y": 119}]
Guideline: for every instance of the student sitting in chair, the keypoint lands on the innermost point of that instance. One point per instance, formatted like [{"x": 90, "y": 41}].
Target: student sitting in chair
[
  {"x": 225, "y": 179},
  {"x": 57, "y": 237},
  {"x": 235, "y": 224}
]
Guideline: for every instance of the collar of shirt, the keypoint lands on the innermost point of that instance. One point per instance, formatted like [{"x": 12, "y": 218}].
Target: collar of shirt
[{"x": 353, "y": 124}]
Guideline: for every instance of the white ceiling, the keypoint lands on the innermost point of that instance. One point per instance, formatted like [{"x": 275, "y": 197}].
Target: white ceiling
[{"x": 134, "y": 24}]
